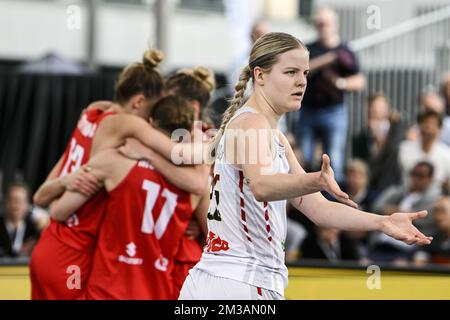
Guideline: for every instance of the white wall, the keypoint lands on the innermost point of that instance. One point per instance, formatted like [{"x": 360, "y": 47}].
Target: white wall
[{"x": 29, "y": 29}]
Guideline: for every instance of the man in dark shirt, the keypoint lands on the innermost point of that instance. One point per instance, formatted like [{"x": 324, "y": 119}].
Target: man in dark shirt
[
  {"x": 333, "y": 71},
  {"x": 18, "y": 233}
]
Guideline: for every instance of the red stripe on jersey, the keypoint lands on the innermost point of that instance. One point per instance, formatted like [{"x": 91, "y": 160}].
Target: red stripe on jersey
[
  {"x": 266, "y": 215},
  {"x": 242, "y": 204}
]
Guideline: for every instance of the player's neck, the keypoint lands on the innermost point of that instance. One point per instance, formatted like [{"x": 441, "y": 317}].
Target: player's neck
[
  {"x": 261, "y": 104},
  {"x": 117, "y": 108}
]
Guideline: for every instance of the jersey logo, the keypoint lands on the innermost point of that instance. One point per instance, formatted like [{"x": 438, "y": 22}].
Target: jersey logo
[
  {"x": 129, "y": 258},
  {"x": 73, "y": 221},
  {"x": 215, "y": 244},
  {"x": 162, "y": 263},
  {"x": 131, "y": 249}
]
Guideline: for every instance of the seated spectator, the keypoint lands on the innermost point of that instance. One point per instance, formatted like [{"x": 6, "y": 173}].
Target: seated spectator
[
  {"x": 328, "y": 244},
  {"x": 419, "y": 195},
  {"x": 427, "y": 148},
  {"x": 356, "y": 184},
  {"x": 377, "y": 145},
  {"x": 295, "y": 234},
  {"x": 445, "y": 93},
  {"x": 431, "y": 100},
  {"x": 18, "y": 233},
  {"x": 438, "y": 252}
]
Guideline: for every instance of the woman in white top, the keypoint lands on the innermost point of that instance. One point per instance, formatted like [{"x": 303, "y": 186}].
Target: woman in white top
[{"x": 255, "y": 172}]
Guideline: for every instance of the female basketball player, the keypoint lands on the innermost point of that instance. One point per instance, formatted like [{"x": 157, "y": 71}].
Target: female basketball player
[
  {"x": 61, "y": 261},
  {"x": 244, "y": 256},
  {"x": 196, "y": 86},
  {"x": 145, "y": 220}
]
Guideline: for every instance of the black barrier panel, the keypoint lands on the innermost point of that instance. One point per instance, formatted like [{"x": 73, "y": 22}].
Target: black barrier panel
[{"x": 37, "y": 116}]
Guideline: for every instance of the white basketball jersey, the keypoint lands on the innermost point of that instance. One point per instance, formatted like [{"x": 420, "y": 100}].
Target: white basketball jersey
[{"x": 246, "y": 237}]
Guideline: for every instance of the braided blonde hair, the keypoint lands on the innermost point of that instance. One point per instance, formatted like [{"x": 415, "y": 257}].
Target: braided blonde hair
[{"x": 264, "y": 54}]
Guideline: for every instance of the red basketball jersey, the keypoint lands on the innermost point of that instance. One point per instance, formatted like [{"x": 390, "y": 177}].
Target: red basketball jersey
[
  {"x": 146, "y": 218},
  {"x": 68, "y": 247},
  {"x": 81, "y": 228}
]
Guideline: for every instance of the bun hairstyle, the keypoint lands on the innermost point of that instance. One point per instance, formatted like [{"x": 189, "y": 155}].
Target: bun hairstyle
[
  {"x": 152, "y": 58},
  {"x": 192, "y": 84},
  {"x": 205, "y": 76},
  {"x": 140, "y": 77}
]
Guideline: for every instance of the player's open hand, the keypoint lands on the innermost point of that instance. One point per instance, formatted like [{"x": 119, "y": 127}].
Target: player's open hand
[
  {"x": 330, "y": 185},
  {"x": 399, "y": 226}
]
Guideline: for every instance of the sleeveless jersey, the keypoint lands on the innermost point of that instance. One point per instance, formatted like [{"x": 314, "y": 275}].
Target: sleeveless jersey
[
  {"x": 81, "y": 228},
  {"x": 145, "y": 220},
  {"x": 246, "y": 237}
]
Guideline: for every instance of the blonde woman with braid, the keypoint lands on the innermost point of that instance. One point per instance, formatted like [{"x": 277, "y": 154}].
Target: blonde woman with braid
[{"x": 256, "y": 172}]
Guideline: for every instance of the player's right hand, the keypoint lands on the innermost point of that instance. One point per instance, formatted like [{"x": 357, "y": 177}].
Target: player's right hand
[
  {"x": 330, "y": 185},
  {"x": 81, "y": 181}
]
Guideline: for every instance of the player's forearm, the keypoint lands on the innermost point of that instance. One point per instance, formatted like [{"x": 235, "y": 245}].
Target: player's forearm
[
  {"x": 330, "y": 214},
  {"x": 65, "y": 206},
  {"x": 284, "y": 186},
  {"x": 193, "y": 179},
  {"x": 48, "y": 191},
  {"x": 177, "y": 153}
]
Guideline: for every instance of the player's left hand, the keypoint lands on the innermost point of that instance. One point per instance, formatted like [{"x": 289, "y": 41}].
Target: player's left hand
[
  {"x": 399, "y": 226},
  {"x": 133, "y": 149}
]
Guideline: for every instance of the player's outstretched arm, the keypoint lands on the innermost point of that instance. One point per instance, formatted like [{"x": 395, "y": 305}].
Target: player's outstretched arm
[{"x": 330, "y": 214}]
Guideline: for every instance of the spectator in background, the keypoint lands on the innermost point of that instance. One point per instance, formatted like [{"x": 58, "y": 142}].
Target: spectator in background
[
  {"x": 445, "y": 91},
  {"x": 295, "y": 234},
  {"x": 439, "y": 250},
  {"x": 419, "y": 195},
  {"x": 427, "y": 148},
  {"x": 429, "y": 100},
  {"x": 328, "y": 244},
  {"x": 18, "y": 234},
  {"x": 378, "y": 144},
  {"x": 356, "y": 184},
  {"x": 258, "y": 29},
  {"x": 334, "y": 70}
]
